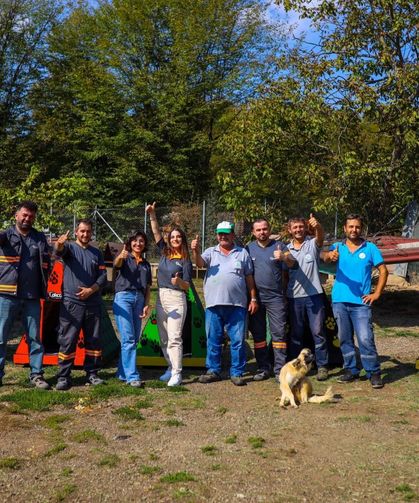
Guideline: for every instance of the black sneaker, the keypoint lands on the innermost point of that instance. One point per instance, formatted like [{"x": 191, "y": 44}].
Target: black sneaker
[
  {"x": 238, "y": 381},
  {"x": 347, "y": 377},
  {"x": 376, "y": 381},
  {"x": 63, "y": 384},
  {"x": 322, "y": 374},
  {"x": 261, "y": 375},
  {"x": 209, "y": 377},
  {"x": 39, "y": 382},
  {"x": 94, "y": 380}
]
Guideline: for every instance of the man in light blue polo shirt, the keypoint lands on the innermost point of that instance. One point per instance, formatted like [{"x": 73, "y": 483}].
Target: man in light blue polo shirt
[
  {"x": 228, "y": 280},
  {"x": 352, "y": 299}
]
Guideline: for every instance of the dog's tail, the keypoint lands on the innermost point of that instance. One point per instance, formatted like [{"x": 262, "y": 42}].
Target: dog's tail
[{"x": 327, "y": 397}]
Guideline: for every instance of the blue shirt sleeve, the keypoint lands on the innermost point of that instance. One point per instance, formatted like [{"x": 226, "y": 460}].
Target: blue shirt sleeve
[
  {"x": 377, "y": 258},
  {"x": 187, "y": 271}
]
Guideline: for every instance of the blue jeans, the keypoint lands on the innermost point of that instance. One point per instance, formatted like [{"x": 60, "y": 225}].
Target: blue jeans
[
  {"x": 30, "y": 310},
  {"x": 233, "y": 319},
  {"x": 356, "y": 318},
  {"x": 312, "y": 307},
  {"x": 127, "y": 308}
]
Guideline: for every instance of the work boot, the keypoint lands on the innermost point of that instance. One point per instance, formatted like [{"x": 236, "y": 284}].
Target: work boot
[
  {"x": 63, "y": 384},
  {"x": 347, "y": 377},
  {"x": 39, "y": 382},
  {"x": 376, "y": 381},
  {"x": 94, "y": 380},
  {"x": 322, "y": 374},
  {"x": 261, "y": 375},
  {"x": 238, "y": 381},
  {"x": 209, "y": 377}
]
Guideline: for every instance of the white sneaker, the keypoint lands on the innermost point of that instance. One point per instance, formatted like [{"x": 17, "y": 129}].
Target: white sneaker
[
  {"x": 166, "y": 376},
  {"x": 175, "y": 380}
]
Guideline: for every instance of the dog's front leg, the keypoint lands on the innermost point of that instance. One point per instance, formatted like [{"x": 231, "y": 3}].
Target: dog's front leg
[{"x": 287, "y": 393}]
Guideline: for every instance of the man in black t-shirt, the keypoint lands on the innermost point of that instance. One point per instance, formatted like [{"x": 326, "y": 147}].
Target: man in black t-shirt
[
  {"x": 268, "y": 257},
  {"x": 84, "y": 276}
]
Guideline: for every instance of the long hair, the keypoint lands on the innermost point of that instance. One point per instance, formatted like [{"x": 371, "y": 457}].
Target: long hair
[
  {"x": 137, "y": 234},
  {"x": 184, "y": 251}
]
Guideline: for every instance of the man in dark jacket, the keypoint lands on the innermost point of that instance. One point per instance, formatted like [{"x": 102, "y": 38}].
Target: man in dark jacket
[
  {"x": 24, "y": 266},
  {"x": 84, "y": 276}
]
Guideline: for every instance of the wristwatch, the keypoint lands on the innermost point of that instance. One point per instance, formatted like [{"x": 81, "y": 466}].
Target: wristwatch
[{"x": 253, "y": 300}]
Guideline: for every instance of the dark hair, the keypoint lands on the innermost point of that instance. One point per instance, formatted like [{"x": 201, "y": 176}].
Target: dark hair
[
  {"x": 29, "y": 205},
  {"x": 85, "y": 221},
  {"x": 294, "y": 220},
  {"x": 354, "y": 216},
  {"x": 137, "y": 234},
  {"x": 168, "y": 250},
  {"x": 260, "y": 220}
]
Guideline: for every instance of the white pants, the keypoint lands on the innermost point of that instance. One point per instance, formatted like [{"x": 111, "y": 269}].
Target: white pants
[{"x": 171, "y": 313}]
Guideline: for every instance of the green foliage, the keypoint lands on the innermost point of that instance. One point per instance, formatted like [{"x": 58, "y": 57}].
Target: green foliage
[
  {"x": 39, "y": 400},
  {"x": 173, "y": 478}
]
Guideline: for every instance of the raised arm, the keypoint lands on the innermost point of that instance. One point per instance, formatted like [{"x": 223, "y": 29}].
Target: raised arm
[
  {"x": 196, "y": 253},
  {"x": 318, "y": 230},
  {"x": 151, "y": 210}
]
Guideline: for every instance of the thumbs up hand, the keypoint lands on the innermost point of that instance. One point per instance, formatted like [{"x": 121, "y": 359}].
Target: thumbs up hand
[
  {"x": 124, "y": 253},
  {"x": 195, "y": 243},
  {"x": 151, "y": 208},
  {"x": 176, "y": 279},
  {"x": 278, "y": 254},
  {"x": 313, "y": 222},
  {"x": 334, "y": 255}
]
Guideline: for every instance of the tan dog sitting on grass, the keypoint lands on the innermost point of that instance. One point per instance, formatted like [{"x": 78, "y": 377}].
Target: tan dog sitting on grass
[{"x": 295, "y": 386}]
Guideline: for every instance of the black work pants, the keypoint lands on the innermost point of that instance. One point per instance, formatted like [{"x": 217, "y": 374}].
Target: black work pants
[{"x": 73, "y": 318}]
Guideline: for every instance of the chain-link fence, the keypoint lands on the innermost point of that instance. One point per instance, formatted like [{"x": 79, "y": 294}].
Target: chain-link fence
[{"x": 115, "y": 224}]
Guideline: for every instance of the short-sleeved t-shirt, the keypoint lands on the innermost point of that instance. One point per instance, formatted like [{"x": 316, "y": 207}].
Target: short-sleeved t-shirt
[
  {"x": 225, "y": 279},
  {"x": 353, "y": 271},
  {"x": 133, "y": 275},
  {"x": 267, "y": 270},
  {"x": 84, "y": 267},
  {"x": 168, "y": 267},
  {"x": 304, "y": 279}
]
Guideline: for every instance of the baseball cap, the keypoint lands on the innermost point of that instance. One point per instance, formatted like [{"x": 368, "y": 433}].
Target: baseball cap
[{"x": 225, "y": 228}]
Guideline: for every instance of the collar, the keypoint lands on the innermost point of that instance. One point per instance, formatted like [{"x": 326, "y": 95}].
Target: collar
[
  {"x": 267, "y": 246},
  {"x": 217, "y": 248},
  {"x": 291, "y": 245},
  {"x": 363, "y": 243},
  {"x": 174, "y": 255}
]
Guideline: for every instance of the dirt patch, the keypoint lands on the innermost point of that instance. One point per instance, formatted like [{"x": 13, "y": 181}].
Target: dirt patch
[{"x": 221, "y": 443}]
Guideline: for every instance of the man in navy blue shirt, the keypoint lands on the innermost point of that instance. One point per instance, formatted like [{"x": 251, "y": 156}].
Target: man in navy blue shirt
[
  {"x": 268, "y": 257},
  {"x": 84, "y": 276},
  {"x": 24, "y": 266}
]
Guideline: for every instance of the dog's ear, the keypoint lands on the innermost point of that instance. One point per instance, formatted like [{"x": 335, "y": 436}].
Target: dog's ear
[{"x": 296, "y": 363}]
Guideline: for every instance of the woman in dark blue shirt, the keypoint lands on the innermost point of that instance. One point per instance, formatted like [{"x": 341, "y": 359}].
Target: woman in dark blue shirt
[
  {"x": 131, "y": 303},
  {"x": 173, "y": 278}
]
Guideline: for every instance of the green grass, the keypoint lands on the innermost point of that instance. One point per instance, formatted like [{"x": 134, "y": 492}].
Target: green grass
[
  {"x": 10, "y": 463},
  {"x": 215, "y": 467},
  {"x": 64, "y": 492},
  {"x": 128, "y": 413},
  {"x": 231, "y": 439},
  {"x": 182, "y": 492},
  {"x": 153, "y": 456},
  {"x": 147, "y": 403},
  {"x": 408, "y": 493},
  {"x": 177, "y": 389},
  {"x": 256, "y": 442},
  {"x": 114, "y": 389},
  {"x": 55, "y": 421},
  {"x": 174, "y": 422},
  {"x": 149, "y": 470},
  {"x": 191, "y": 403},
  {"x": 85, "y": 436},
  {"x": 39, "y": 400},
  {"x": 55, "y": 450},
  {"x": 110, "y": 460},
  {"x": 156, "y": 384},
  {"x": 209, "y": 450},
  {"x": 66, "y": 472},
  {"x": 173, "y": 478},
  {"x": 222, "y": 410}
]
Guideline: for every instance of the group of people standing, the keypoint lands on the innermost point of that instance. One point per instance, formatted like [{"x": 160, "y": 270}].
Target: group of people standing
[{"x": 244, "y": 287}]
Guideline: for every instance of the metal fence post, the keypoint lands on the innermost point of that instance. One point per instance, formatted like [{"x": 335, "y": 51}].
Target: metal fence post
[{"x": 203, "y": 223}]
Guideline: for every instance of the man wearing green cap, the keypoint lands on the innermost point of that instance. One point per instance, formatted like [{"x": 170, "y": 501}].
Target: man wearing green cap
[{"x": 228, "y": 281}]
